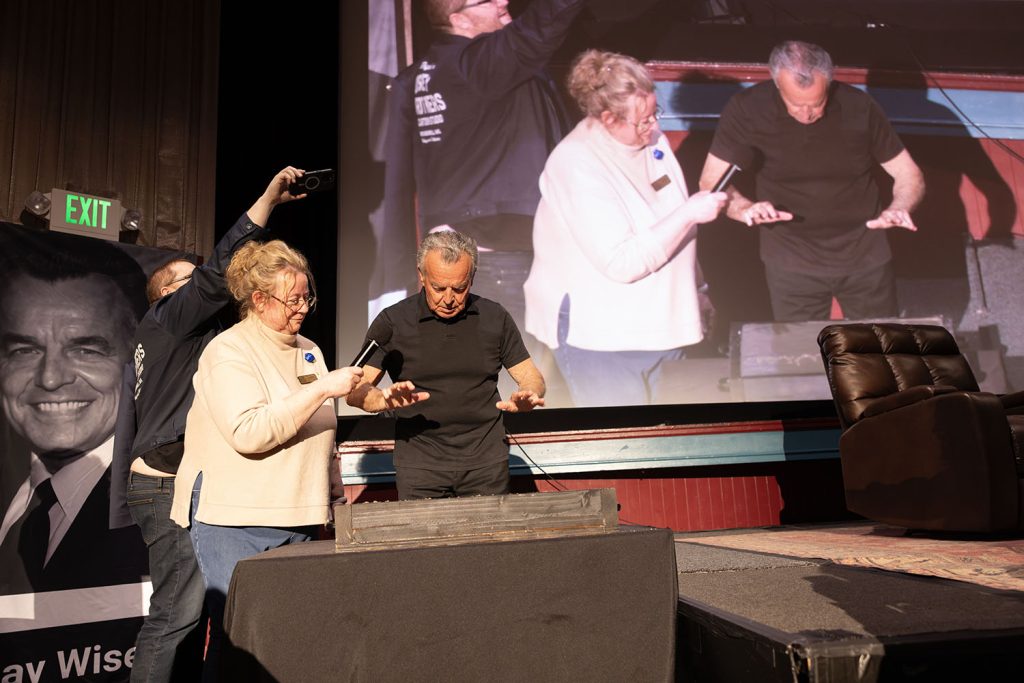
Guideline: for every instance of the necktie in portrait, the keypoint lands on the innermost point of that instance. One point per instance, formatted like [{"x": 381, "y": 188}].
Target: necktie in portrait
[{"x": 23, "y": 552}]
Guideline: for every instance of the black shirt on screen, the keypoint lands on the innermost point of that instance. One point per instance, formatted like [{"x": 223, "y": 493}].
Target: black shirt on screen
[{"x": 823, "y": 173}]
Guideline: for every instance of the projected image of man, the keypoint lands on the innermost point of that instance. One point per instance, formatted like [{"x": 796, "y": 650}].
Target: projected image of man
[
  {"x": 817, "y": 144},
  {"x": 471, "y": 123}
]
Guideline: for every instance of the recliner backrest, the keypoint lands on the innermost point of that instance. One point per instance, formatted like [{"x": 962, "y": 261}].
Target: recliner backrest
[{"x": 865, "y": 361}]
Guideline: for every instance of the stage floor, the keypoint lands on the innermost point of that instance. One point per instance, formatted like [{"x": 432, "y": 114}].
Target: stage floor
[{"x": 798, "y": 609}]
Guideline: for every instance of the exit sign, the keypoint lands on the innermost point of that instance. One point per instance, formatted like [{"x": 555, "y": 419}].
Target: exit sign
[{"x": 85, "y": 214}]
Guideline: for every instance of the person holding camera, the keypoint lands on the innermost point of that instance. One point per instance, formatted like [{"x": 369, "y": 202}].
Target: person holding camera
[
  {"x": 471, "y": 124},
  {"x": 185, "y": 303}
]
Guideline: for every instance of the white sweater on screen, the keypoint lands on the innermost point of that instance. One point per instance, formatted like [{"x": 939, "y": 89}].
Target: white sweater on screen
[{"x": 593, "y": 240}]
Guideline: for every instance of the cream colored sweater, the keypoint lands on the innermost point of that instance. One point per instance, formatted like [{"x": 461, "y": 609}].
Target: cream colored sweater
[{"x": 259, "y": 467}]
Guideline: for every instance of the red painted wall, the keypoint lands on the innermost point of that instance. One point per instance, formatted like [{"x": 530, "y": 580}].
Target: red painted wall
[{"x": 698, "y": 498}]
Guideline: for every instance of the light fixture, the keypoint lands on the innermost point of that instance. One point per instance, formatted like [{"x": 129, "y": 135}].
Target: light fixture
[
  {"x": 38, "y": 204},
  {"x": 37, "y": 208},
  {"x": 131, "y": 221}
]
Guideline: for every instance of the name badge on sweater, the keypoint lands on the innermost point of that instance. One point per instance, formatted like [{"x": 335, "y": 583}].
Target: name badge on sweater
[
  {"x": 307, "y": 379},
  {"x": 661, "y": 182}
]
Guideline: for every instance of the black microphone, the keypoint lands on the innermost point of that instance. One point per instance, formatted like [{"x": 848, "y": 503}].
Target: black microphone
[
  {"x": 723, "y": 182},
  {"x": 364, "y": 353},
  {"x": 369, "y": 347}
]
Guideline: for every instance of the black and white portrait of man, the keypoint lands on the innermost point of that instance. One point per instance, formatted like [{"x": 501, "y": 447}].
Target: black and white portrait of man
[{"x": 67, "y": 315}]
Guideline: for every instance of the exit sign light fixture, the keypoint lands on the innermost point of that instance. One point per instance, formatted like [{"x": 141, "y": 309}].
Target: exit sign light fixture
[{"x": 85, "y": 214}]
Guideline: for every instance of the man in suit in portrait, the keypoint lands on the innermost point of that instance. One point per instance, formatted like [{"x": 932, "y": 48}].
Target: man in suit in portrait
[{"x": 68, "y": 309}]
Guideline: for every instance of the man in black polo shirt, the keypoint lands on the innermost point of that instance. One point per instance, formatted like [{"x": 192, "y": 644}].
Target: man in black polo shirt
[
  {"x": 814, "y": 147},
  {"x": 447, "y": 345}
]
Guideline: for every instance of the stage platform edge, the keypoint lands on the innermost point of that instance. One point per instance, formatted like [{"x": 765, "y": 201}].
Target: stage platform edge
[{"x": 752, "y": 616}]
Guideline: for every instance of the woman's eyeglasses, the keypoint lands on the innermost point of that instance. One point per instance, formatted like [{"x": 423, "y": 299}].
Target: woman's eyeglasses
[{"x": 295, "y": 304}]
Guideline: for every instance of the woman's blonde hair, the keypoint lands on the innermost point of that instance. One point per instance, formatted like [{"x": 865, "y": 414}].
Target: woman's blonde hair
[
  {"x": 607, "y": 81},
  {"x": 255, "y": 267}
]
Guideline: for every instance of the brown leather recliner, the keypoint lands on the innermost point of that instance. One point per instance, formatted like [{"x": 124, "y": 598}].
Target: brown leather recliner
[{"x": 921, "y": 446}]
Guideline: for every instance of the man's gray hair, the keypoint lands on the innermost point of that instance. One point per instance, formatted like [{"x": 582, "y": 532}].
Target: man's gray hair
[
  {"x": 452, "y": 246},
  {"x": 802, "y": 60}
]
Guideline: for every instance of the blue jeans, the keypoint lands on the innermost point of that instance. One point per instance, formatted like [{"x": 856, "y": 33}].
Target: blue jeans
[
  {"x": 609, "y": 378},
  {"x": 170, "y": 643},
  {"x": 219, "y": 549}
]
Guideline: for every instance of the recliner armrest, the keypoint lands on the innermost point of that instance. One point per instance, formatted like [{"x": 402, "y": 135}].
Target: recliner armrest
[
  {"x": 946, "y": 463},
  {"x": 1013, "y": 403},
  {"x": 907, "y": 397}
]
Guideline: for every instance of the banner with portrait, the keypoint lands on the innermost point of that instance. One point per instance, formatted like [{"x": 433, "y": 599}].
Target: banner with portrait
[{"x": 73, "y": 590}]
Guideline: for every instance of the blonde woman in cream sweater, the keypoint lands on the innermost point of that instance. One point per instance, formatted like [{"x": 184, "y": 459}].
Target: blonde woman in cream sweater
[
  {"x": 613, "y": 286},
  {"x": 260, "y": 432}
]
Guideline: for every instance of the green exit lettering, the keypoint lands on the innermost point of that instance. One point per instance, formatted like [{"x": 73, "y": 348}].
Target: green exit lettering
[{"x": 90, "y": 212}]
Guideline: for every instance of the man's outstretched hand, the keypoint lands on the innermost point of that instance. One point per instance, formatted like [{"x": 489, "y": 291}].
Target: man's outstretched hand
[
  {"x": 521, "y": 401},
  {"x": 892, "y": 218},
  {"x": 402, "y": 394}
]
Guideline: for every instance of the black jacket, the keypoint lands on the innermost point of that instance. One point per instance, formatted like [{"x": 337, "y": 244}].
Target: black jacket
[
  {"x": 168, "y": 342},
  {"x": 471, "y": 125}
]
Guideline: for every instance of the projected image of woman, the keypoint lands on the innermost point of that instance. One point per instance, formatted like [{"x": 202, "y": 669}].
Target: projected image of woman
[{"x": 613, "y": 287}]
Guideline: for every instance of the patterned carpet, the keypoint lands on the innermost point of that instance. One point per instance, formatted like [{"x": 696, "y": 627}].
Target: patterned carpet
[{"x": 994, "y": 563}]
